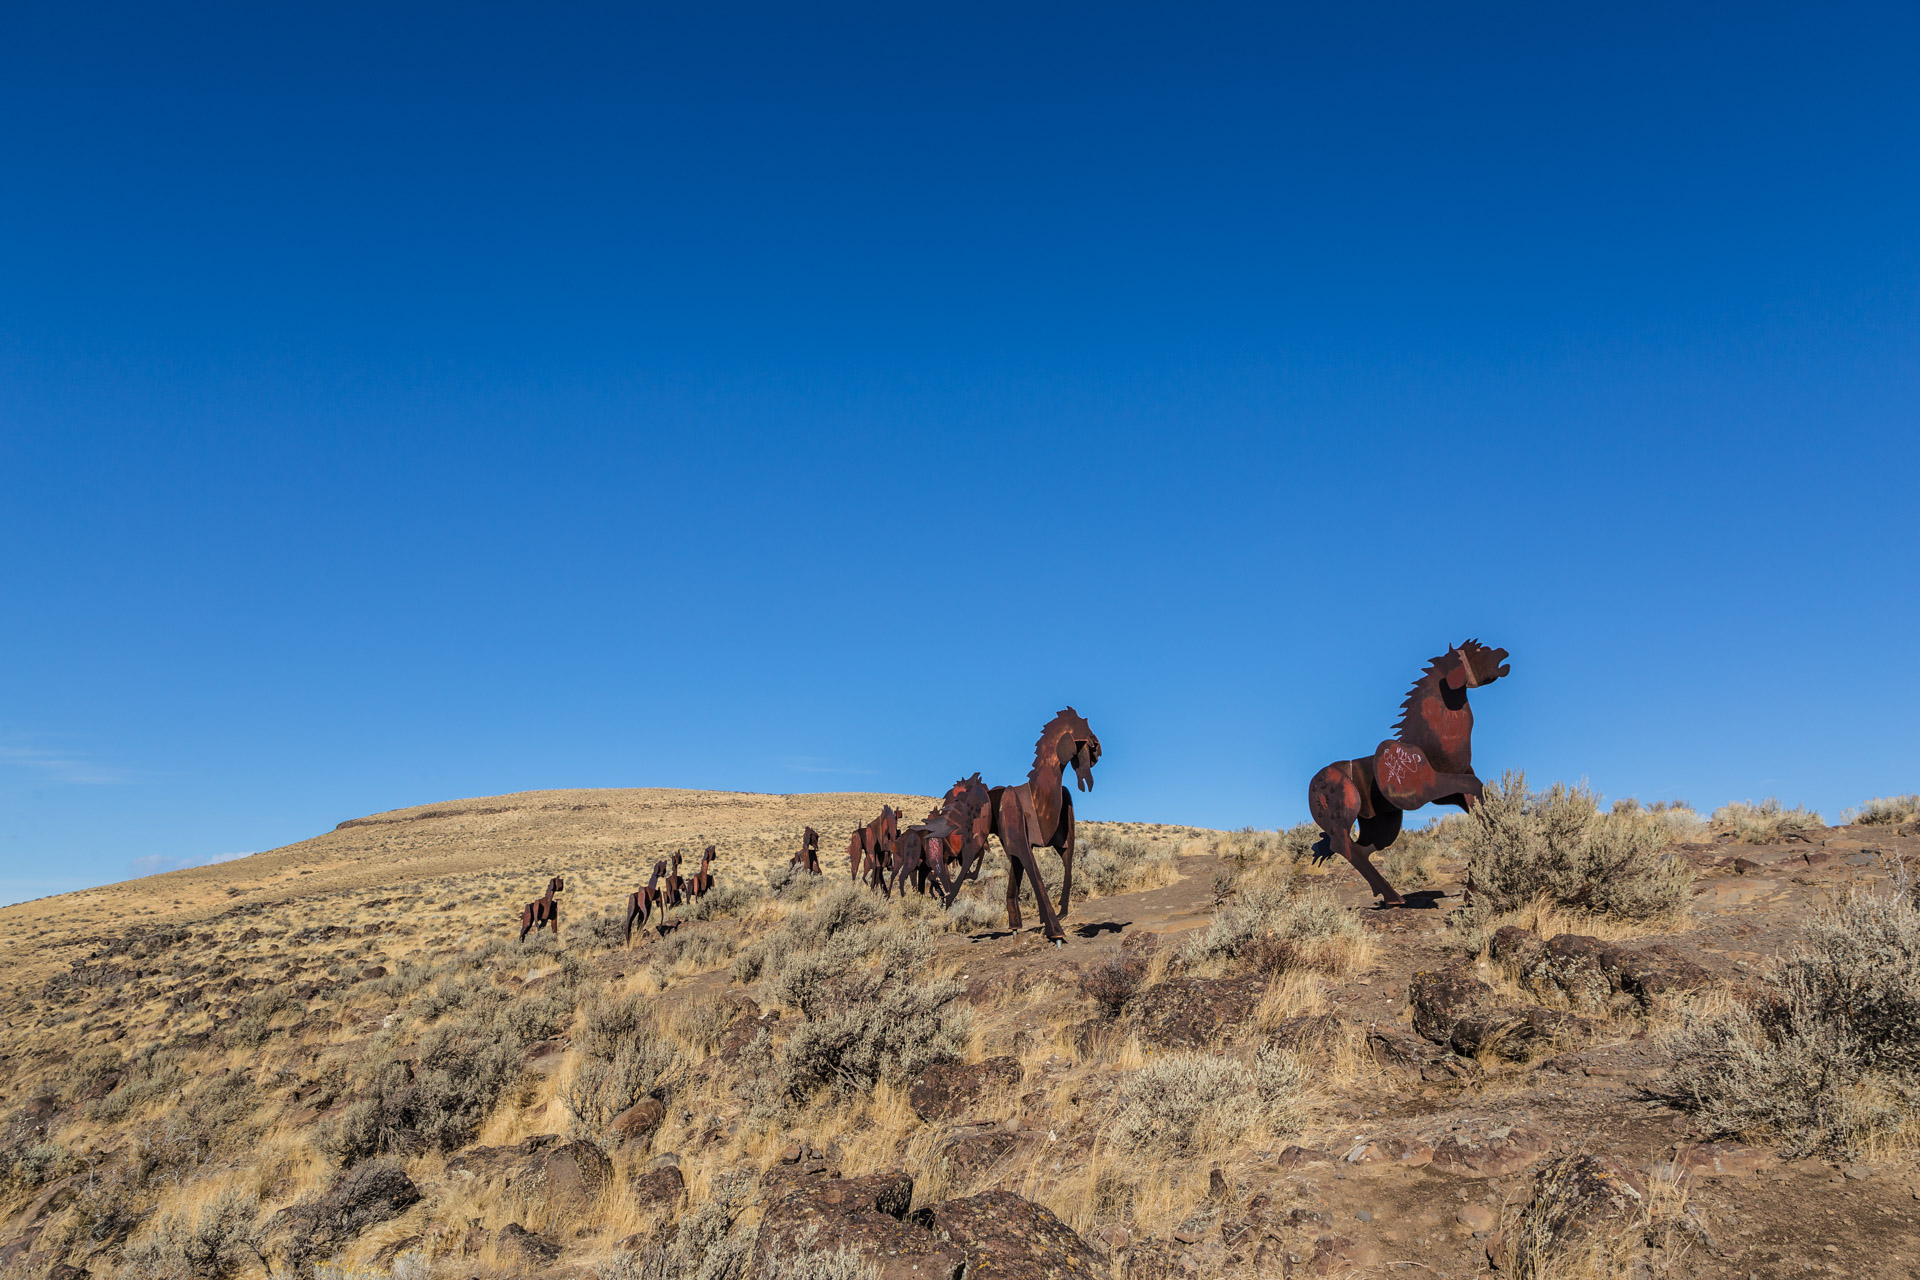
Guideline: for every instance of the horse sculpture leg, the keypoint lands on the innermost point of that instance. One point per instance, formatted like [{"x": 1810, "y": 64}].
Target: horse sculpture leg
[
  {"x": 1335, "y": 800},
  {"x": 526, "y": 921},
  {"x": 1011, "y": 826},
  {"x": 1065, "y": 846}
]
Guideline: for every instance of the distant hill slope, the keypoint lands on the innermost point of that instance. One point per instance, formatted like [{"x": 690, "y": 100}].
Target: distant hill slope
[{"x": 609, "y": 835}]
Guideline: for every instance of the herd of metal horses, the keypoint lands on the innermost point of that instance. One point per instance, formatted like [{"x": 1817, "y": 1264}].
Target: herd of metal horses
[{"x": 1358, "y": 805}]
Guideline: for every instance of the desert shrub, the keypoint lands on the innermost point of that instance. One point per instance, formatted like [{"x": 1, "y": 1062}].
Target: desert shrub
[
  {"x": 1832, "y": 1061},
  {"x": 704, "y": 1245},
  {"x": 805, "y": 1260},
  {"x": 726, "y": 898},
  {"x": 971, "y": 914},
  {"x": 1113, "y": 982},
  {"x": 1190, "y": 1103},
  {"x": 1765, "y": 822},
  {"x": 1889, "y": 811},
  {"x": 408, "y": 976},
  {"x": 151, "y": 1075},
  {"x": 1109, "y": 861},
  {"x": 864, "y": 1025},
  {"x": 847, "y": 909},
  {"x": 691, "y": 951},
  {"x": 361, "y": 1197},
  {"x": 1556, "y": 846},
  {"x": 699, "y": 1024},
  {"x": 438, "y": 1094},
  {"x": 32, "y": 1164},
  {"x": 224, "y": 1239},
  {"x": 1268, "y": 926},
  {"x": 624, "y": 1058},
  {"x": 603, "y": 932}
]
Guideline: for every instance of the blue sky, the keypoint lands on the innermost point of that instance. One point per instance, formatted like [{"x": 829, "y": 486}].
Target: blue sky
[{"x": 401, "y": 403}]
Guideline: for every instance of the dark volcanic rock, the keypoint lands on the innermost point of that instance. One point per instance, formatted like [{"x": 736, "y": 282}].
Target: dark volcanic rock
[
  {"x": 1652, "y": 971},
  {"x": 566, "y": 1177},
  {"x": 864, "y": 1215},
  {"x": 515, "y": 1241},
  {"x": 1005, "y": 1237},
  {"x": 1574, "y": 1197},
  {"x": 659, "y": 1190},
  {"x": 971, "y": 1156},
  {"x": 1489, "y": 1152},
  {"x": 1192, "y": 1013},
  {"x": 638, "y": 1122},
  {"x": 1442, "y": 997},
  {"x": 363, "y": 1196},
  {"x": 955, "y": 1089}
]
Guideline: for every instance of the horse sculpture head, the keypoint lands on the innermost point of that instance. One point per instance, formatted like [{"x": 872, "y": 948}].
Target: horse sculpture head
[
  {"x": 1066, "y": 741},
  {"x": 1475, "y": 665},
  {"x": 556, "y": 884}
]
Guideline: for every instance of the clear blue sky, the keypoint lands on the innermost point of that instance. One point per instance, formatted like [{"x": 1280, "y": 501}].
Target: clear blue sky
[{"x": 403, "y": 403}]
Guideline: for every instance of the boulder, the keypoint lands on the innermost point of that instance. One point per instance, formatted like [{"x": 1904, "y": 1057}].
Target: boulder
[
  {"x": 971, "y": 1156},
  {"x": 636, "y": 1125},
  {"x": 515, "y": 1241},
  {"x": 1441, "y": 998},
  {"x": 361, "y": 1197},
  {"x": 1573, "y": 967},
  {"x": 1481, "y": 1151},
  {"x": 864, "y": 1215},
  {"x": 1647, "y": 973},
  {"x": 659, "y": 1190},
  {"x": 1006, "y": 1237},
  {"x": 950, "y": 1090},
  {"x": 1573, "y": 1197},
  {"x": 568, "y": 1177},
  {"x": 1193, "y": 1013}
]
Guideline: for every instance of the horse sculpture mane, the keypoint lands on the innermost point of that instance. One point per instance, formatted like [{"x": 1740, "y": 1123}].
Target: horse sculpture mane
[
  {"x": 1469, "y": 655},
  {"x": 1056, "y": 749}
]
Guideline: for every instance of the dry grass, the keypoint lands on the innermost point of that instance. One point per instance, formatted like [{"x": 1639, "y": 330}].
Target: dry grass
[
  {"x": 1763, "y": 823},
  {"x": 1555, "y": 846},
  {"x": 1888, "y": 811},
  {"x": 1829, "y": 1060},
  {"x": 1549, "y": 1236}
]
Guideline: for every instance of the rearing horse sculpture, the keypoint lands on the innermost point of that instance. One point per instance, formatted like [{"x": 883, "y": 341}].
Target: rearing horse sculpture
[
  {"x": 543, "y": 911},
  {"x": 1429, "y": 760}
]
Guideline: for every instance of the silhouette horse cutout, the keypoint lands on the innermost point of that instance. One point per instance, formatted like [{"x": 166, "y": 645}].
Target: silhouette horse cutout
[
  {"x": 676, "y": 884},
  {"x": 641, "y": 902},
  {"x": 543, "y": 911},
  {"x": 808, "y": 859},
  {"x": 1429, "y": 760},
  {"x": 702, "y": 880}
]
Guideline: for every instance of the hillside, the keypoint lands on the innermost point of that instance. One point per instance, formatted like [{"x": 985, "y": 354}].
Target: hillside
[{"x": 337, "y": 1059}]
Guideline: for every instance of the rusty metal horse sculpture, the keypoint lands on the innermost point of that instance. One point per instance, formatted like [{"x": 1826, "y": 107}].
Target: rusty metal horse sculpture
[
  {"x": 641, "y": 902},
  {"x": 1036, "y": 814},
  {"x": 870, "y": 853},
  {"x": 808, "y": 858},
  {"x": 1429, "y": 760},
  {"x": 702, "y": 880},
  {"x": 953, "y": 835},
  {"x": 543, "y": 911}
]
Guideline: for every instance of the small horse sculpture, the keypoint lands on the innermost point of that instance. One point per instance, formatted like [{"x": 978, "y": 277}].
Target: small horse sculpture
[
  {"x": 808, "y": 859},
  {"x": 871, "y": 851},
  {"x": 702, "y": 880},
  {"x": 676, "y": 884},
  {"x": 641, "y": 902},
  {"x": 1429, "y": 760},
  {"x": 953, "y": 835},
  {"x": 543, "y": 911}
]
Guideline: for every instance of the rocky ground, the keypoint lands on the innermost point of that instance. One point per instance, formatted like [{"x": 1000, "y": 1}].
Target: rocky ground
[{"x": 163, "y": 1071}]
